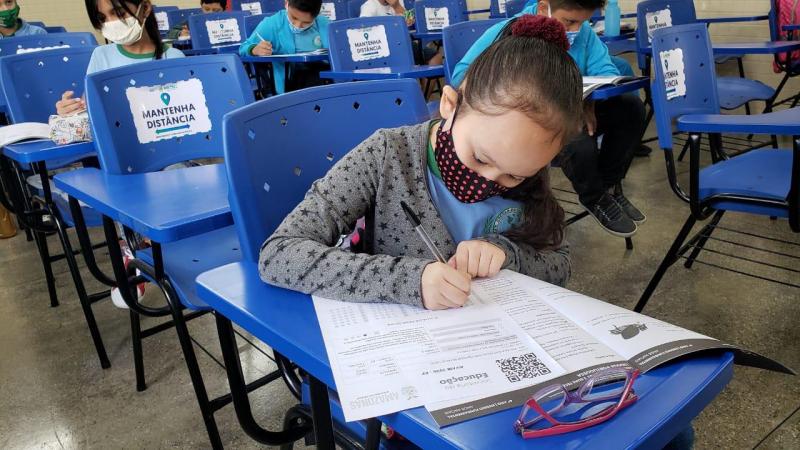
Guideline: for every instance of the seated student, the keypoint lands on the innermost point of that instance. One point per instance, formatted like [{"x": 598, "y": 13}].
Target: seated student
[
  {"x": 180, "y": 31},
  {"x": 498, "y": 134},
  {"x": 10, "y": 23},
  {"x": 595, "y": 171},
  {"x": 131, "y": 27},
  {"x": 298, "y": 28}
]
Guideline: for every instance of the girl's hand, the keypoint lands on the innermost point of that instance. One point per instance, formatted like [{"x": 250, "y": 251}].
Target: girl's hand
[
  {"x": 444, "y": 287},
  {"x": 478, "y": 258},
  {"x": 264, "y": 48},
  {"x": 68, "y": 105}
]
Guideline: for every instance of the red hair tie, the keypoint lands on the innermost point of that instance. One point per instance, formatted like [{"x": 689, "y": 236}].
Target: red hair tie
[{"x": 541, "y": 27}]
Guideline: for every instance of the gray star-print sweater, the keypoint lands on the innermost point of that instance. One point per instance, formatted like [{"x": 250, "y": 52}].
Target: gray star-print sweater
[{"x": 370, "y": 181}]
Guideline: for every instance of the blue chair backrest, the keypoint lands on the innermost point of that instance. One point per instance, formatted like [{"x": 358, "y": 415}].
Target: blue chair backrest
[
  {"x": 685, "y": 81},
  {"x": 457, "y": 40},
  {"x": 252, "y": 21},
  {"x": 334, "y": 10},
  {"x": 257, "y": 6},
  {"x": 182, "y": 15},
  {"x": 435, "y": 15},
  {"x": 498, "y": 8},
  {"x": 56, "y": 29},
  {"x": 653, "y": 15},
  {"x": 217, "y": 29},
  {"x": 12, "y": 46},
  {"x": 408, "y": 4},
  {"x": 272, "y": 159},
  {"x": 32, "y": 83},
  {"x": 354, "y": 8},
  {"x": 162, "y": 17},
  {"x": 514, "y": 7},
  {"x": 149, "y": 115},
  {"x": 369, "y": 42}
]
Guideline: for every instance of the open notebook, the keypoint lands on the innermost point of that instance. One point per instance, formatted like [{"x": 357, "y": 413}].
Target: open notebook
[{"x": 591, "y": 84}]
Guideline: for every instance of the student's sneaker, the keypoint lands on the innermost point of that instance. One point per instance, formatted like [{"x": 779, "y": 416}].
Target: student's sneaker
[
  {"x": 628, "y": 208},
  {"x": 116, "y": 295},
  {"x": 610, "y": 216}
]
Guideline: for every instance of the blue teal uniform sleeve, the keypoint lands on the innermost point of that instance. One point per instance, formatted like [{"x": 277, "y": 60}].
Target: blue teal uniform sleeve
[
  {"x": 598, "y": 61},
  {"x": 265, "y": 29},
  {"x": 477, "y": 48}
]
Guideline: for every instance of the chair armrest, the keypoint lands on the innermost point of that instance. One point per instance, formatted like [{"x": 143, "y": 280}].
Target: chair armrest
[
  {"x": 710, "y": 20},
  {"x": 786, "y": 123}
]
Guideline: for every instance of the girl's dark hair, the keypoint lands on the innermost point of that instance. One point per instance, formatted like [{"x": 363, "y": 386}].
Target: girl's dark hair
[
  {"x": 527, "y": 69},
  {"x": 121, "y": 7}
]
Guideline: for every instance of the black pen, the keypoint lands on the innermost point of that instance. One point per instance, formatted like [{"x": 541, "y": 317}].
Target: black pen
[{"x": 422, "y": 233}]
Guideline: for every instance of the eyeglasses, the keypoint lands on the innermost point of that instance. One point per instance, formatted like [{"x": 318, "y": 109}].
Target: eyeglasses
[{"x": 598, "y": 399}]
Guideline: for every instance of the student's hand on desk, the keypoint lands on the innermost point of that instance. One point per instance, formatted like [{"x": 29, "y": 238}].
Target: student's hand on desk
[
  {"x": 68, "y": 105},
  {"x": 444, "y": 287},
  {"x": 264, "y": 48},
  {"x": 589, "y": 117},
  {"x": 478, "y": 258}
]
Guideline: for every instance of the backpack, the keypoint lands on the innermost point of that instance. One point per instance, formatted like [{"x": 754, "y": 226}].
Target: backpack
[{"x": 787, "y": 12}]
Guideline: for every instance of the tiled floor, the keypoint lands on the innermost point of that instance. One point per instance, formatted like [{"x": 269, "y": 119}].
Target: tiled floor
[{"x": 54, "y": 394}]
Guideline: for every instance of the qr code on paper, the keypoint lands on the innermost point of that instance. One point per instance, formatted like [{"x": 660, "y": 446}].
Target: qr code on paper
[{"x": 518, "y": 368}]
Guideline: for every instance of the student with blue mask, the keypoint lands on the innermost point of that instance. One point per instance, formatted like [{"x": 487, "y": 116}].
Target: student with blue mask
[
  {"x": 10, "y": 23},
  {"x": 595, "y": 169},
  {"x": 296, "y": 29}
]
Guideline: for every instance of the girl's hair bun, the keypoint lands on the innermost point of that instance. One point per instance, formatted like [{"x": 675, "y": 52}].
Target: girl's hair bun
[{"x": 541, "y": 27}]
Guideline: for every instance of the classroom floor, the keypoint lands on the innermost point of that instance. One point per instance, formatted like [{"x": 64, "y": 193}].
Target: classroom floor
[{"x": 54, "y": 394}]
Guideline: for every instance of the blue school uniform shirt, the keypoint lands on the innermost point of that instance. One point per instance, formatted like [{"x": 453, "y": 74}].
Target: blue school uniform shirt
[
  {"x": 467, "y": 221},
  {"x": 25, "y": 29},
  {"x": 113, "y": 55},
  {"x": 275, "y": 29},
  {"x": 588, "y": 51}
]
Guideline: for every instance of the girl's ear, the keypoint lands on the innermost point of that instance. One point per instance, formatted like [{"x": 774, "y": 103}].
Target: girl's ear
[{"x": 447, "y": 102}]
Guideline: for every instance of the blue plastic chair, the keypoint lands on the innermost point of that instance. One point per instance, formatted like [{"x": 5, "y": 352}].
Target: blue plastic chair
[
  {"x": 256, "y": 7},
  {"x": 734, "y": 92},
  {"x": 199, "y": 27},
  {"x": 10, "y": 46},
  {"x": 354, "y": 8},
  {"x": 225, "y": 87},
  {"x": 182, "y": 15},
  {"x": 396, "y": 34},
  {"x": 457, "y": 40},
  {"x": 455, "y": 14},
  {"x": 335, "y": 10},
  {"x": 55, "y": 29},
  {"x": 760, "y": 182},
  {"x": 514, "y": 7},
  {"x": 31, "y": 84},
  {"x": 252, "y": 21},
  {"x": 498, "y": 9},
  {"x": 272, "y": 161},
  {"x": 162, "y": 17}
]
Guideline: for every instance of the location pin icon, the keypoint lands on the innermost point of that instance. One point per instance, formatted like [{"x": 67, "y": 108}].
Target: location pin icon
[
  {"x": 165, "y": 98},
  {"x": 366, "y": 35}
]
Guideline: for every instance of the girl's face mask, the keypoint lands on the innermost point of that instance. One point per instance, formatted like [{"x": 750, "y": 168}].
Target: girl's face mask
[
  {"x": 466, "y": 185},
  {"x": 124, "y": 31}
]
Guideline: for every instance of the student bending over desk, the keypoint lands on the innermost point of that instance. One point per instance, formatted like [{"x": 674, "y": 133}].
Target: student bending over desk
[
  {"x": 10, "y": 23},
  {"x": 595, "y": 171},
  {"x": 478, "y": 185},
  {"x": 296, "y": 29}
]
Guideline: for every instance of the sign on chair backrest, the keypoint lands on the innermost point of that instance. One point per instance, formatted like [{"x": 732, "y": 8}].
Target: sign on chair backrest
[
  {"x": 32, "y": 83},
  {"x": 334, "y": 9},
  {"x": 369, "y": 42},
  {"x": 182, "y": 15},
  {"x": 685, "y": 81},
  {"x": 275, "y": 148},
  {"x": 435, "y": 15},
  {"x": 457, "y": 40},
  {"x": 218, "y": 29},
  {"x": 25, "y": 44},
  {"x": 162, "y": 17},
  {"x": 652, "y": 15},
  {"x": 149, "y": 115}
]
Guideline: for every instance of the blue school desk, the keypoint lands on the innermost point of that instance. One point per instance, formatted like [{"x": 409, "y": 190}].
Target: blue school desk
[
  {"x": 46, "y": 150},
  {"x": 670, "y": 396},
  {"x": 309, "y": 57},
  {"x": 385, "y": 73},
  {"x": 165, "y": 206},
  {"x": 607, "y": 92},
  {"x": 749, "y": 48}
]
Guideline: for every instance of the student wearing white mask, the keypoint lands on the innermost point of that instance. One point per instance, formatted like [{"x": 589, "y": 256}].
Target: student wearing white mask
[{"x": 130, "y": 27}]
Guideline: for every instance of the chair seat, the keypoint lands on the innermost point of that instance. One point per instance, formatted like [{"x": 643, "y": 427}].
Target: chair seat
[
  {"x": 184, "y": 260},
  {"x": 758, "y": 174},
  {"x": 735, "y": 92}
]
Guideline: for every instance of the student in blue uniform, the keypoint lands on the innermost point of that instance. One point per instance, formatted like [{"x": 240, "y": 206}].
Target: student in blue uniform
[
  {"x": 131, "y": 28},
  {"x": 595, "y": 171},
  {"x": 298, "y": 28},
  {"x": 10, "y": 23}
]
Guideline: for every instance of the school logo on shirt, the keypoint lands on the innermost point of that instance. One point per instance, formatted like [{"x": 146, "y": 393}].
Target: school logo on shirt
[
  {"x": 317, "y": 41},
  {"x": 503, "y": 221}
]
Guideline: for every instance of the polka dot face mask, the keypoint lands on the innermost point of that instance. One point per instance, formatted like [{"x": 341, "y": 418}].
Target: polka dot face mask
[{"x": 466, "y": 185}]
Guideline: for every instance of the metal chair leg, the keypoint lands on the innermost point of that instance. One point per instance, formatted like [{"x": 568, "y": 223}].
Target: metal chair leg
[
  {"x": 704, "y": 234},
  {"x": 683, "y": 151},
  {"x": 44, "y": 255},
  {"x": 138, "y": 357},
  {"x": 669, "y": 259},
  {"x": 321, "y": 413}
]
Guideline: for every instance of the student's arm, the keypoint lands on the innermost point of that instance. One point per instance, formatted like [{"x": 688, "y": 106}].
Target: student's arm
[
  {"x": 552, "y": 266},
  {"x": 368, "y": 9},
  {"x": 300, "y": 255},
  {"x": 477, "y": 48},
  {"x": 264, "y": 30},
  {"x": 598, "y": 61}
]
